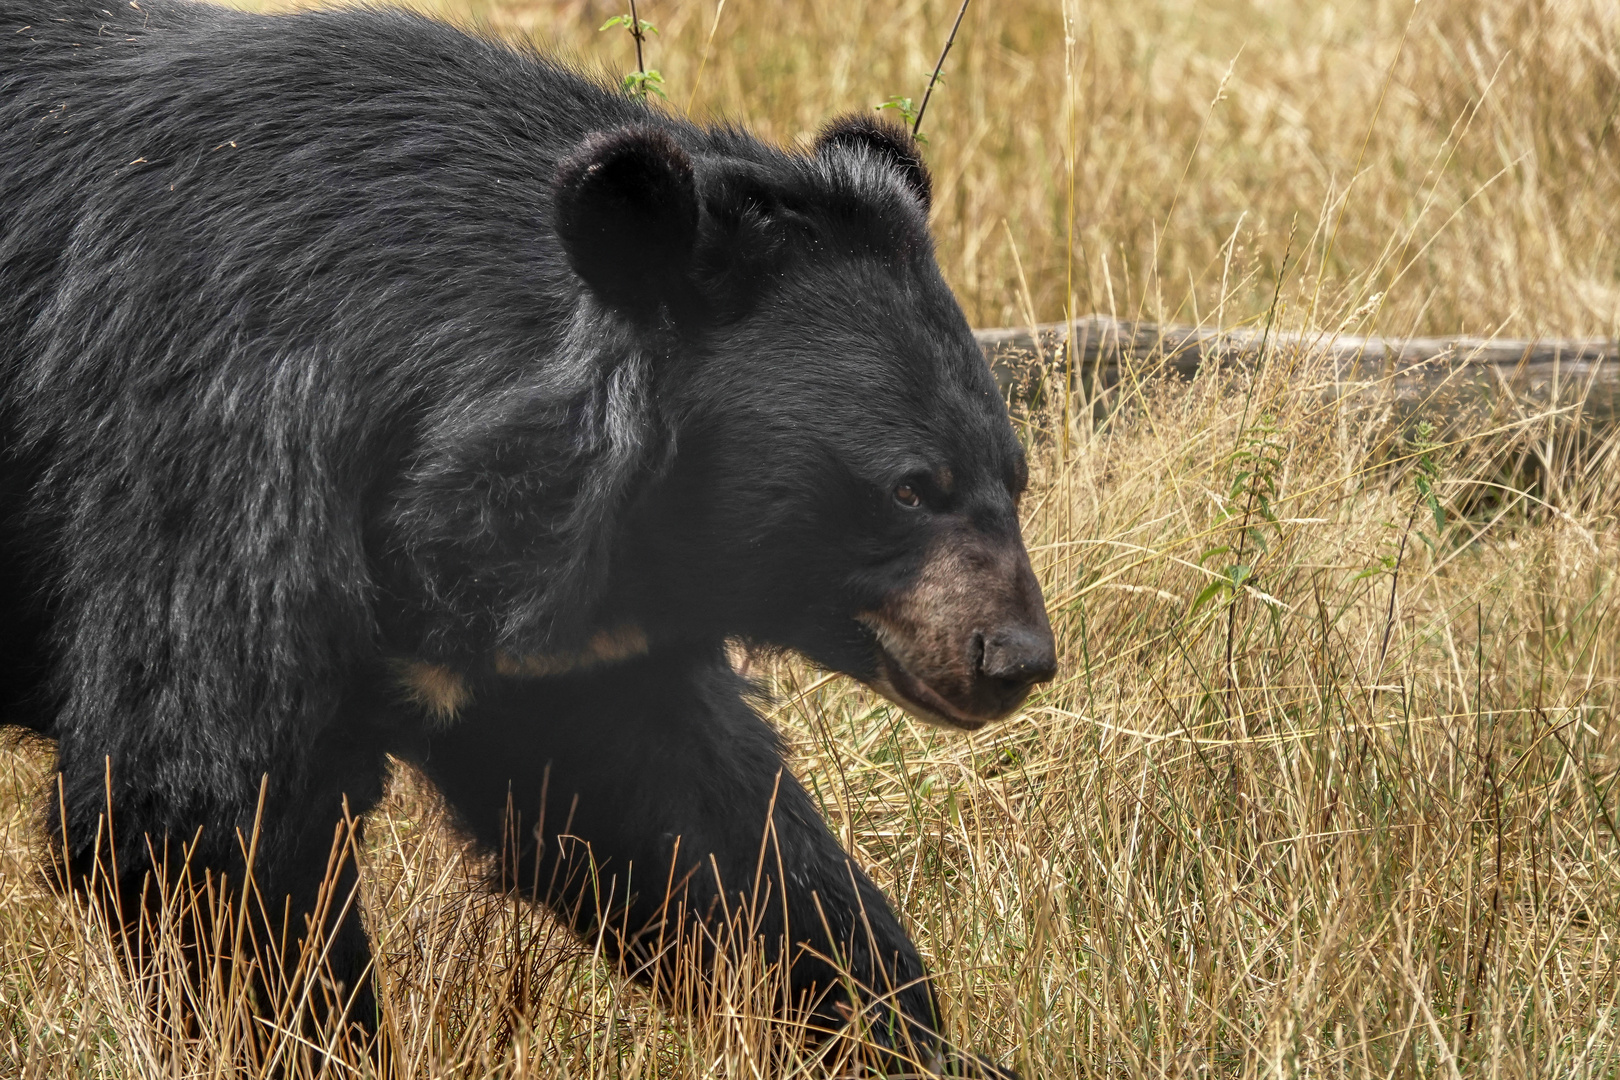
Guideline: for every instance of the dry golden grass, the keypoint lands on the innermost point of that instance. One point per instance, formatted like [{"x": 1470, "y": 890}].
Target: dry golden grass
[
  {"x": 1459, "y": 155},
  {"x": 1298, "y": 828},
  {"x": 1353, "y": 816}
]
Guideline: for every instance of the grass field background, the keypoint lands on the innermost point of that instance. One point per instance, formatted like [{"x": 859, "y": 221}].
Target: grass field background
[
  {"x": 1458, "y": 156},
  {"x": 1328, "y": 784}
]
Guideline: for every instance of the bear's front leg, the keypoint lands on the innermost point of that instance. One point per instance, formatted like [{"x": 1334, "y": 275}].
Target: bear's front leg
[{"x": 634, "y": 800}]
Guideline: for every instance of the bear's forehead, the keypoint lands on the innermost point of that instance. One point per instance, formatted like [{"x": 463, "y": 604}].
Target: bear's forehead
[
  {"x": 945, "y": 418},
  {"x": 845, "y": 197},
  {"x": 852, "y": 172},
  {"x": 849, "y": 190},
  {"x": 841, "y": 168}
]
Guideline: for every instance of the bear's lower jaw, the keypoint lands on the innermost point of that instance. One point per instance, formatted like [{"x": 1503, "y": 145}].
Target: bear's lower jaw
[{"x": 919, "y": 699}]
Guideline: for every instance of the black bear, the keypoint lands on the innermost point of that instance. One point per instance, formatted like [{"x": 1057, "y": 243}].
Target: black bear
[{"x": 370, "y": 388}]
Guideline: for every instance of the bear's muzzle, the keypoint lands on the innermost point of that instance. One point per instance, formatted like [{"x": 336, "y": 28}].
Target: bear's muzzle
[{"x": 967, "y": 639}]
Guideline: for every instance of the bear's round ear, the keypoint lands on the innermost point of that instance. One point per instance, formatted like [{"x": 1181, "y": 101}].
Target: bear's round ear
[
  {"x": 889, "y": 141},
  {"x": 627, "y": 215}
]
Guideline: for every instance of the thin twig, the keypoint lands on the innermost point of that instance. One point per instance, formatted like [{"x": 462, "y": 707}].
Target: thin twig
[
  {"x": 1248, "y": 510},
  {"x": 916, "y": 125},
  {"x": 635, "y": 32},
  {"x": 1389, "y": 616}
]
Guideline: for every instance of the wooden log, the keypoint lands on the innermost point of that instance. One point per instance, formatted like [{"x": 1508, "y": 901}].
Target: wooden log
[{"x": 1414, "y": 367}]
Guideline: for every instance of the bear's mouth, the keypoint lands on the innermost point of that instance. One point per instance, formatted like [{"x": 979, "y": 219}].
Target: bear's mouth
[{"x": 919, "y": 699}]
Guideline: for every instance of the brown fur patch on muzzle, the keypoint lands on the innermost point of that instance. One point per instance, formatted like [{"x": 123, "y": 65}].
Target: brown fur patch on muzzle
[{"x": 964, "y": 642}]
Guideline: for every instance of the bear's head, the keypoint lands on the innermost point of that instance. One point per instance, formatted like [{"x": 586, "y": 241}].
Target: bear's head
[{"x": 842, "y": 478}]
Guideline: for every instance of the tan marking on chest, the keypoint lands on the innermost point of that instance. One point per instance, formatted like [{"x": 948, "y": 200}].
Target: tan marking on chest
[
  {"x": 606, "y": 647},
  {"x": 437, "y": 690}
]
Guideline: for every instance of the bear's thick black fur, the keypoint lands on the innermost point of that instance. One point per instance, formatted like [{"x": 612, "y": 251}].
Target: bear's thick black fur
[{"x": 371, "y": 388}]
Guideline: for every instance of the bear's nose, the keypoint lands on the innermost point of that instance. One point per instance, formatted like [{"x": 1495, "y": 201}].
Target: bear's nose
[{"x": 1019, "y": 656}]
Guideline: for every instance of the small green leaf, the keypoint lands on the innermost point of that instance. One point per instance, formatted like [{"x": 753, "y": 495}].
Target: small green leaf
[
  {"x": 905, "y": 106},
  {"x": 1206, "y": 593},
  {"x": 641, "y": 83},
  {"x": 1439, "y": 513}
]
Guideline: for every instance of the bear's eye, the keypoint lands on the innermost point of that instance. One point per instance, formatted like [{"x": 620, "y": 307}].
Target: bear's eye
[{"x": 906, "y": 495}]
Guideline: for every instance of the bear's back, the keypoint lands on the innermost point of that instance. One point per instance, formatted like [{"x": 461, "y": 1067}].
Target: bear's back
[{"x": 266, "y": 177}]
